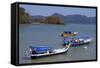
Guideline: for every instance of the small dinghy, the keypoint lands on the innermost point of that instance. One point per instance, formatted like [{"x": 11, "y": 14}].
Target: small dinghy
[
  {"x": 68, "y": 33},
  {"x": 77, "y": 40},
  {"x": 40, "y": 51}
]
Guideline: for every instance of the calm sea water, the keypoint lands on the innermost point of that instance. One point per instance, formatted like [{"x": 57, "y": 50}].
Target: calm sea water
[{"x": 49, "y": 35}]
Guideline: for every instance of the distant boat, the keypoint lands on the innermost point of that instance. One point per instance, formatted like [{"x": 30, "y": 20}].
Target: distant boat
[
  {"x": 68, "y": 33},
  {"x": 77, "y": 40},
  {"x": 46, "y": 51}
]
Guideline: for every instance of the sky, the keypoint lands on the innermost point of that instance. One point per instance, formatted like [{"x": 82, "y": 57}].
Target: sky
[{"x": 49, "y": 10}]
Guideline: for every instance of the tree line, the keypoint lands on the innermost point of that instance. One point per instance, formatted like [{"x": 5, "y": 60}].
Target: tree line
[{"x": 24, "y": 17}]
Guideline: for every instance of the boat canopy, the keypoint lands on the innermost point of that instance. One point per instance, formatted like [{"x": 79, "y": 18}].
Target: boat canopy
[
  {"x": 67, "y": 32},
  {"x": 40, "y": 49},
  {"x": 70, "y": 32}
]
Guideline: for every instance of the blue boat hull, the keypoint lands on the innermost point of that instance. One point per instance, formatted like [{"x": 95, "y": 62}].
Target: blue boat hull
[
  {"x": 77, "y": 44},
  {"x": 81, "y": 42}
]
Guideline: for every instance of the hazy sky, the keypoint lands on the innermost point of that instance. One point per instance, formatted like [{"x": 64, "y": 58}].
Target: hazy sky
[{"x": 49, "y": 10}]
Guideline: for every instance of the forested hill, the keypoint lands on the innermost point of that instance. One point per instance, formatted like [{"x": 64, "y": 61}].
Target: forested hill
[
  {"x": 56, "y": 18},
  {"x": 25, "y": 18},
  {"x": 73, "y": 19}
]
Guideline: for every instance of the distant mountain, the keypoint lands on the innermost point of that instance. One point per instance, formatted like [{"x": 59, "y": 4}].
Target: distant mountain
[
  {"x": 58, "y": 15},
  {"x": 74, "y": 19},
  {"x": 46, "y": 19},
  {"x": 92, "y": 19},
  {"x": 80, "y": 19}
]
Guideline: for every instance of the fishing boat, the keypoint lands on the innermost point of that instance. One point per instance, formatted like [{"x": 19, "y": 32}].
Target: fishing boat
[
  {"x": 68, "y": 33},
  {"x": 40, "y": 51},
  {"x": 77, "y": 40}
]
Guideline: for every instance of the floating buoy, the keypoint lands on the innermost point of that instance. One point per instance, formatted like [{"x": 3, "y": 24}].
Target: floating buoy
[{"x": 85, "y": 47}]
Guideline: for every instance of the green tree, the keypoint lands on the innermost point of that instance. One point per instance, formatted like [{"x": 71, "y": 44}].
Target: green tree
[
  {"x": 54, "y": 20},
  {"x": 24, "y": 17}
]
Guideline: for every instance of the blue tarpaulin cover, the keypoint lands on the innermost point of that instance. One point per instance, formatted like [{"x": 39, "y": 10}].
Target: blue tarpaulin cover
[{"x": 40, "y": 49}]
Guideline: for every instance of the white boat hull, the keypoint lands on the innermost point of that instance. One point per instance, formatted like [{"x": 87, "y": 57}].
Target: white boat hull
[{"x": 54, "y": 52}]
